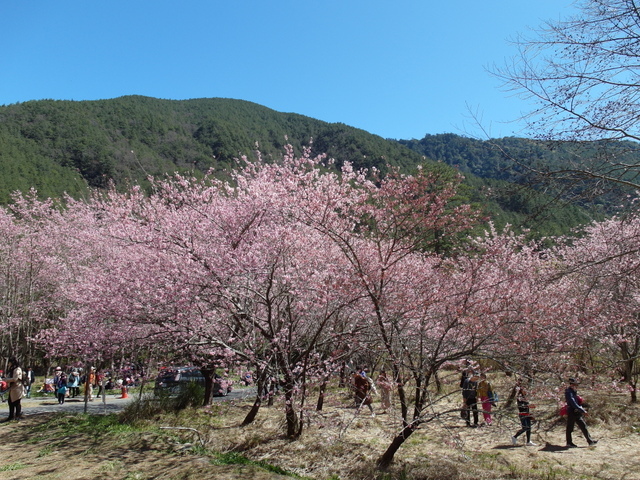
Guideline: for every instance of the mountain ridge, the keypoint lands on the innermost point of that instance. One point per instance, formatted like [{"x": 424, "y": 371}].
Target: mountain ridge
[{"x": 70, "y": 146}]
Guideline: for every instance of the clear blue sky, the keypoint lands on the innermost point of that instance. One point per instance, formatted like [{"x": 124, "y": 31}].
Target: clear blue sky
[{"x": 399, "y": 69}]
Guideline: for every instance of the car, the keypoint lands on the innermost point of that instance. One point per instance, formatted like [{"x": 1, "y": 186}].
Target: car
[{"x": 171, "y": 380}]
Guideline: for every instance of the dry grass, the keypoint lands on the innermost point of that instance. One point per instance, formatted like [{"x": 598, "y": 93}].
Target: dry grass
[{"x": 338, "y": 443}]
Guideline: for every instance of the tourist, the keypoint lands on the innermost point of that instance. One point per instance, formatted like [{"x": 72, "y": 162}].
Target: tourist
[
  {"x": 30, "y": 379},
  {"x": 470, "y": 396},
  {"x": 73, "y": 382},
  {"x": 524, "y": 414},
  {"x": 16, "y": 389},
  {"x": 363, "y": 388},
  {"x": 485, "y": 394},
  {"x": 575, "y": 414},
  {"x": 384, "y": 385},
  {"x": 61, "y": 388}
]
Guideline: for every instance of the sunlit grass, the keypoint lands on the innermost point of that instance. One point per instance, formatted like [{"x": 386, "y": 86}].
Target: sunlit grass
[{"x": 12, "y": 466}]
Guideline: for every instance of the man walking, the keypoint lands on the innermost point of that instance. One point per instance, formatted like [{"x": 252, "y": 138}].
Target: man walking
[
  {"x": 30, "y": 380},
  {"x": 470, "y": 396},
  {"x": 575, "y": 413}
]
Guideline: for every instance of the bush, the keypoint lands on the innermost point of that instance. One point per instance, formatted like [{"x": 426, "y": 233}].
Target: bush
[
  {"x": 190, "y": 395},
  {"x": 151, "y": 406},
  {"x": 428, "y": 470}
]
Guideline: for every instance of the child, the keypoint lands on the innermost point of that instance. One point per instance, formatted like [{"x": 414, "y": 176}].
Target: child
[{"x": 523, "y": 413}]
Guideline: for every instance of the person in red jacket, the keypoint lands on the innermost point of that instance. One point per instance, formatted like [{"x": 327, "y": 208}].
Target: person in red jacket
[{"x": 363, "y": 386}]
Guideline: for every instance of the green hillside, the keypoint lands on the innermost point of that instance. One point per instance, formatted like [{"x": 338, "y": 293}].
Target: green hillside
[
  {"x": 132, "y": 137},
  {"x": 523, "y": 161},
  {"x": 69, "y": 146}
]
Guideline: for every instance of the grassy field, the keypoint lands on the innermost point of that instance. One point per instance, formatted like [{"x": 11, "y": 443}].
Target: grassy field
[{"x": 148, "y": 441}]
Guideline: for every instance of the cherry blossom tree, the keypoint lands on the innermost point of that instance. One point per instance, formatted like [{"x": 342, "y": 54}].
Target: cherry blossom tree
[
  {"x": 30, "y": 275},
  {"x": 289, "y": 266},
  {"x": 209, "y": 269},
  {"x": 410, "y": 296},
  {"x": 604, "y": 269}
]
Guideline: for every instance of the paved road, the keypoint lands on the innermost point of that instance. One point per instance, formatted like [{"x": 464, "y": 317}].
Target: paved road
[{"x": 112, "y": 403}]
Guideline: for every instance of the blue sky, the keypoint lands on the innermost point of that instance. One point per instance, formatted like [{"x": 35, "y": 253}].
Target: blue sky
[{"x": 399, "y": 69}]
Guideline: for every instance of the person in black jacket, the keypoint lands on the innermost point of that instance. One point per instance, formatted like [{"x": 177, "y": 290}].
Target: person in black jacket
[
  {"x": 575, "y": 412},
  {"x": 470, "y": 396}
]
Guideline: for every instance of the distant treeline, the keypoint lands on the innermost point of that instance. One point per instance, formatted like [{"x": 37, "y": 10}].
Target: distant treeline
[{"x": 68, "y": 146}]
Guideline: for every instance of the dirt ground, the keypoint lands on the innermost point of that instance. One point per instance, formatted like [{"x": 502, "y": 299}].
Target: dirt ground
[{"x": 339, "y": 443}]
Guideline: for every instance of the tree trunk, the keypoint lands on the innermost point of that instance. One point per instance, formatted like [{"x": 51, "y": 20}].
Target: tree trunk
[
  {"x": 253, "y": 413},
  {"x": 260, "y": 384},
  {"x": 628, "y": 369},
  {"x": 343, "y": 375},
  {"x": 323, "y": 389},
  {"x": 404, "y": 408},
  {"x": 511, "y": 398},
  {"x": 293, "y": 429},
  {"x": 387, "y": 457},
  {"x": 208, "y": 373},
  {"x": 273, "y": 386},
  {"x": 438, "y": 383}
]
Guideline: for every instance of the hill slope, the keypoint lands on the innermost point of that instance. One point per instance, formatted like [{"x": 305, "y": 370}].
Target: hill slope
[{"x": 69, "y": 146}]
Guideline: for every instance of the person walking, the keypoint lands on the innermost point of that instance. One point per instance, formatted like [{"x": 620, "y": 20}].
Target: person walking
[
  {"x": 575, "y": 414},
  {"x": 16, "y": 389},
  {"x": 100, "y": 383},
  {"x": 470, "y": 396},
  {"x": 363, "y": 389},
  {"x": 61, "y": 388},
  {"x": 73, "y": 382},
  {"x": 384, "y": 385},
  {"x": 90, "y": 383},
  {"x": 56, "y": 377},
  {"x": 524, "y": 414},
  {"x": 30, "y": 379},
  {"x": 485, "y": 394}
]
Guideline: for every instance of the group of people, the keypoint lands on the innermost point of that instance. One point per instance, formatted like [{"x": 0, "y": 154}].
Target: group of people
[
  {"x": 364, "y": 387},
  {"x": 17, "y": 383},
  {"x": 68, "y": 385},
  {"x": 574, "y": 410},
  {"x": 477, "y": 389}
]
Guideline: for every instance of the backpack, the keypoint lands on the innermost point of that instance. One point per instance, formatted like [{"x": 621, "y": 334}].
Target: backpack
[{"x": 24, "y": 380}]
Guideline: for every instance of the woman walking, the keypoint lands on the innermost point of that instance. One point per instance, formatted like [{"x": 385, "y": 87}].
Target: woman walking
[
  {"x": 61, "y": 388},
  {"x": 384, "y": 384},
  {"x": 16, "y": 389},
  {"x": 485, "y": 394}
]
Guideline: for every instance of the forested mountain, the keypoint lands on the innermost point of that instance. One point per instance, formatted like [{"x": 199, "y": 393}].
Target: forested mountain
[
  {"x": 69, "y": 146},
  {"x": 523, "y": 161},
  {"x": 131, "y": 137}
]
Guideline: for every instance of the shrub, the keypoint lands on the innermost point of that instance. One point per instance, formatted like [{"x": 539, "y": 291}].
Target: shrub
[{"x": 150, "y": 406}]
